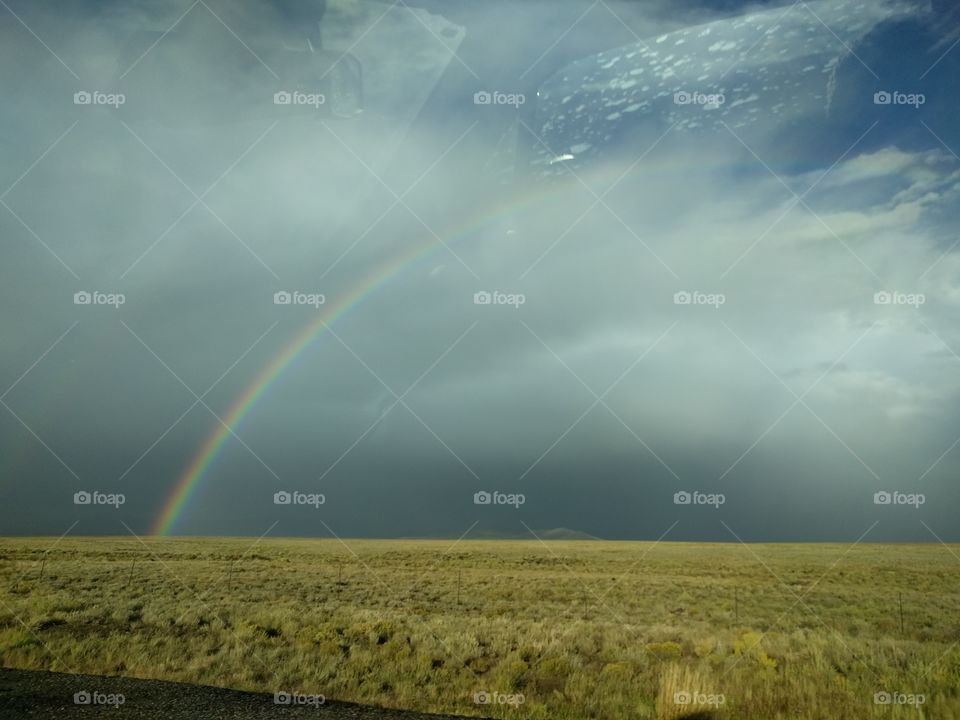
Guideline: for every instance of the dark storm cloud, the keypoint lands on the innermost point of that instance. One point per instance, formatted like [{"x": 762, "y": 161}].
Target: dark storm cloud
[{"x": 784, "y": 384}]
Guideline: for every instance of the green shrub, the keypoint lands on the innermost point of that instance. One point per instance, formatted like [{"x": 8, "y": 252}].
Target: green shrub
[{"x": 665, "y": 650}]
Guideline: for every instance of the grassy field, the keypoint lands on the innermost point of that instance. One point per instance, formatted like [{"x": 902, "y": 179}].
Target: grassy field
[{"x": 564, "y": 629}]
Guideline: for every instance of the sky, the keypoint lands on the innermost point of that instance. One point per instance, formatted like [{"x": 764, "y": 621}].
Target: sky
[{"x": 666, "y": 270}]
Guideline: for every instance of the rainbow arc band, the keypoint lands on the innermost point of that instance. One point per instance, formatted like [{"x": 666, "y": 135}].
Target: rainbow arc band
[
  {"x": 513, "y": 208},
  {"x": 186, "y": 486}
]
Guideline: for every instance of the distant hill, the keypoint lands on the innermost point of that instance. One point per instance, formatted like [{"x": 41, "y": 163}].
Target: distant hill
[
  {"x": 551, "y": 534},
  {"x": 565, "y": 534}
]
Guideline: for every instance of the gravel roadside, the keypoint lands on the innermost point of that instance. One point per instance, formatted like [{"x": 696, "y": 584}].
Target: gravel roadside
[{"x": 38, "y": 694}]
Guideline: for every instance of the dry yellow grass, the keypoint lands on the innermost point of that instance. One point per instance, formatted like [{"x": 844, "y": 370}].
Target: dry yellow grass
[{"x": 550, "y": 631}]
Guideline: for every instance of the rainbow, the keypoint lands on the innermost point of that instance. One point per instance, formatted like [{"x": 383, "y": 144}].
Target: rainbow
[
  {"x": 486, "y": 217},
  {"x": 188, "y": 482}
]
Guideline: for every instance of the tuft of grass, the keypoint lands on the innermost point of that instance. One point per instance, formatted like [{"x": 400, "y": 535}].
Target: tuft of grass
[
  {"x": 21, "y": 587},
  {"x": 687, "y": 693}
]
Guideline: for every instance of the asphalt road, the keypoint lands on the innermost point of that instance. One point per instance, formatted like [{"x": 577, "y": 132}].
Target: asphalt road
[{"x": 37, "y": 694}]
